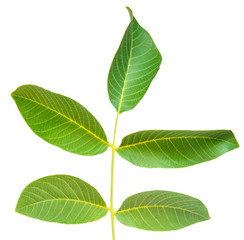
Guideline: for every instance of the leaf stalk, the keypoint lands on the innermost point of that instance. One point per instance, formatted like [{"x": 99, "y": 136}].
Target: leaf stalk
[{"x": 112, "y": 212}]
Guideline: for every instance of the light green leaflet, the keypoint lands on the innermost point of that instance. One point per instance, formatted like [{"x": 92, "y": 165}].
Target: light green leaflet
[
  {"x": 175, "y": 148},
  {"x": 133, "y": 68},
  {"x": 161, "y": 211},
  {"x": 61, "y": 199},
  {"x": 60, "y": 120}
]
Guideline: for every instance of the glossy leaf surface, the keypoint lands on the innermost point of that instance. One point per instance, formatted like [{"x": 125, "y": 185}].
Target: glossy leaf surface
[
  {"x": 61, "y": 199},
  {"x": 175, "y": 148},
  {"x": 161, "y": 211},
  {"x": 134, "y": 66},
  {"x": 60, "y": 120}
]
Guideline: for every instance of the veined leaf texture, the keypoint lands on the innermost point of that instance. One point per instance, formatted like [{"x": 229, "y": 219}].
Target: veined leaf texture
[
  {"x": 61, "y": 199},
  {"x": 161, "y": 211},
  {"x": 60, "y": 120},
  {"x": 175, "y": 148},
  {"x": 134, "y": 66}
]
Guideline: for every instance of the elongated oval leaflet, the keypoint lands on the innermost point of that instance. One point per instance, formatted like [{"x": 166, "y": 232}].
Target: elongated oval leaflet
[
  {"x": 175, "y": 148},
  {"x": 134, "y": 66},
  {"x": 161, "y": 211},
  {"x": 60, "y": 120},
  {"x": 61, "y": 199}
]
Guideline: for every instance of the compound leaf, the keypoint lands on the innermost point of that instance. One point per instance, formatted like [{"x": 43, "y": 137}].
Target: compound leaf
[
  {"x": 134, "y": 66},
  {"x": 60, "y": 120},
  {"x": 61, "y": 199},
  {"x": 161, "y": 211},
  {"x": 175, "y": 148}
]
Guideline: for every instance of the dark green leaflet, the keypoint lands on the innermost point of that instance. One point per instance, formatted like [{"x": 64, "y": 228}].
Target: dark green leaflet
[
  {"x": 175, "y": 148},
  {"x": 133, "y": 68},
  {"x": 161, "y": 211},
  {"x": 60, "y": 120},
  {"x": 61, "y": 199}
]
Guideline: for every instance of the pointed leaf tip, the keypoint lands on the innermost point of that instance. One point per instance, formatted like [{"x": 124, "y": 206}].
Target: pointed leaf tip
[
  {"x": 133, "y": 68},
  {"x": 130, "y": 12},
  {"x": 60, "y": 120},
  {"x": 175, "y": 148}
]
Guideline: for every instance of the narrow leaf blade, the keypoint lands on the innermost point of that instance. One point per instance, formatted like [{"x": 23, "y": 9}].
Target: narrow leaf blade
[
  {"x": 161, "y": 211},
  {"x": 60, "y": 120},
  {"x": 175, "y": 148},
  {"x": 134, "y": 66},
  {"x": 61, "y": 199}
]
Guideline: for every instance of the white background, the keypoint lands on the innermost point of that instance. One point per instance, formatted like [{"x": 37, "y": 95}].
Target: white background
[{"x": 67, "y": 47}]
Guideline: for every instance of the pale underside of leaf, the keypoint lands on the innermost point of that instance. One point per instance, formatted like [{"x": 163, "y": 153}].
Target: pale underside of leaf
[
  {"x": 161, "y": 211},
  {"x": 134, "y": 66},
  {"x": 60, "y": 120},
  {"x": 175, "y": 148},
  {"x": 61, "y": 199}
]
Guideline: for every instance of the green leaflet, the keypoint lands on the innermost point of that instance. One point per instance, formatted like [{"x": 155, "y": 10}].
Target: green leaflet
[
  {"x": 161, "y": 211},
  {"x": 175, "y": 148},
  {"x": 134, "y": 66},
  {"x": 61, "y": 199},
  {"x": 60, "y": 120}
]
